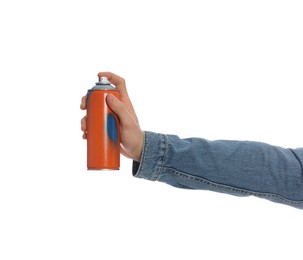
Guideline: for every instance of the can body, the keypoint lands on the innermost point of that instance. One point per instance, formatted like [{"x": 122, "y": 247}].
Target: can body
[{"x": 103, "y": 132}]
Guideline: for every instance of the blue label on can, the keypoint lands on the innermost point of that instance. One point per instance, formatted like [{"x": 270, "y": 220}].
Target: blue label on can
[{"x": 112, "y": 127}]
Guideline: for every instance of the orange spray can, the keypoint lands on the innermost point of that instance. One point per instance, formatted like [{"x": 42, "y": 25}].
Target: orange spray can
[{"x": 103, "y": 128}]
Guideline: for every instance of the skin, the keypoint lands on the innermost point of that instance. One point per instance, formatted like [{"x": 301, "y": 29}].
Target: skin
[{"x": 132, "y": 137}]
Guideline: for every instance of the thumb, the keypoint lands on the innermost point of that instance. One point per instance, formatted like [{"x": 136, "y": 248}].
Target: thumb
[
  {"x": 131, "y": 134},
  {"x": 118, "y": 108}
]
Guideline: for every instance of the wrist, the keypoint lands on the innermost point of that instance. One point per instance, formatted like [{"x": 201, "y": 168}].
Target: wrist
[{"x": 139, "y": 148}]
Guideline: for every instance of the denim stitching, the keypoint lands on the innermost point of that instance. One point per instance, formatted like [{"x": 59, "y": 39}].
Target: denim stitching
[
  {"x": 234, "y": 189},
  {"x": 163, "y": 150}
]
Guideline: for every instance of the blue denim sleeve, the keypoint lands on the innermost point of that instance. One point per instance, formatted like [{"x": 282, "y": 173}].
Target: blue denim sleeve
[{"x": 239, "y": 168}]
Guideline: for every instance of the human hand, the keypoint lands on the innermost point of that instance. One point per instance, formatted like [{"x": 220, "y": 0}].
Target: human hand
[{"x": 131, "y": 135}]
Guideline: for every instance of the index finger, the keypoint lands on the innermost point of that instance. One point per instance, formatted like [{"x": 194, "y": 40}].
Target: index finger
[{"x": 118, "y": 81}]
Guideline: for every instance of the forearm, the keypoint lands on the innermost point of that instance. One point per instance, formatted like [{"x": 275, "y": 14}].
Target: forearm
[{"x": 234, "y": 167}]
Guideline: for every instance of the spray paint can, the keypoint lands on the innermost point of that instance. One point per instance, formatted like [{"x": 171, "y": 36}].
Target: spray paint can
[{"x": 103, "y": 128}]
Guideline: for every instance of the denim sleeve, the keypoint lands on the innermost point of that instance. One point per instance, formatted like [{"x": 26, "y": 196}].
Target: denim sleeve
[{"x": 239, "y": 168}]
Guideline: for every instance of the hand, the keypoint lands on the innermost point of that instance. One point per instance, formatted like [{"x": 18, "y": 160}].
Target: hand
[{"x": 131, "y": 135}]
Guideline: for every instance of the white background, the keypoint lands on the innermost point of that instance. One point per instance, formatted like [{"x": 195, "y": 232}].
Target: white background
[{"x": 213, "y": 69}]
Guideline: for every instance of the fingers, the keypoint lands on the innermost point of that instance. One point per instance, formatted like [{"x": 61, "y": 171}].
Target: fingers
[
  {"x": 113, "y": 78},
  {"x": 83, "y": 103},
  {"x": 116, "y": 80},
  {"x": 83, "y": 123},
  {"x": 121, "y": 86},
  {"x": 83, "y": 120},
  {"x": 83, "y": 127}
]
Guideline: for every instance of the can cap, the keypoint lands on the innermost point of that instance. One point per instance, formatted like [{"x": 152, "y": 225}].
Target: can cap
[{"x": 103, "y": 84}]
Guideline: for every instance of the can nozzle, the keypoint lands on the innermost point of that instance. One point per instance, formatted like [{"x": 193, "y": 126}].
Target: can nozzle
[{"x": 104, "y": 80}]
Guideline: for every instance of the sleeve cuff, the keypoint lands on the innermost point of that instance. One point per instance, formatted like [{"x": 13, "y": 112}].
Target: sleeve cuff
[{"x": 153, "y": 154}]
